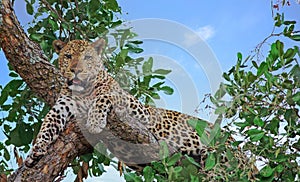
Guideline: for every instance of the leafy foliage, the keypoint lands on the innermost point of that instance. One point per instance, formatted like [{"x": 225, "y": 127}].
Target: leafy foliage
[
  {"x": 264, "y": 106},
  {"x": 259, "y": 100}
]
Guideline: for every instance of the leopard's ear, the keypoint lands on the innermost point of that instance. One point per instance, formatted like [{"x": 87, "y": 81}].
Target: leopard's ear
[
  {"x": 99, "y": 45},
  {"x": 58, "y": 45}
]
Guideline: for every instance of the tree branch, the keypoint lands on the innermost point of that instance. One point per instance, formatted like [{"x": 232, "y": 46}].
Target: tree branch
[{"x": 66, "y": 148}]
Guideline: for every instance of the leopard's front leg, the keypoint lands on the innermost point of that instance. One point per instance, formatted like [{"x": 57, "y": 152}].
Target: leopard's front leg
[
  {"x": 97, "y": 115},
  {"x": 53, "y": 124}
]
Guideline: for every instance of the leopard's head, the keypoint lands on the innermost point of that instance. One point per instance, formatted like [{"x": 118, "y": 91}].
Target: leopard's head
[{"x": 79, "y": 62}]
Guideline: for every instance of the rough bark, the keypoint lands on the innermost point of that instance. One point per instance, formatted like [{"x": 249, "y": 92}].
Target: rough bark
[
  {"x": 26, "y": 56},
  {"x": 28, "y": 60},
  {"x": 68, "y": 146}
]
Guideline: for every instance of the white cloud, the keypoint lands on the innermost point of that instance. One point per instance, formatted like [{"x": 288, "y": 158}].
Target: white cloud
[{"x": 206, "y": 32}]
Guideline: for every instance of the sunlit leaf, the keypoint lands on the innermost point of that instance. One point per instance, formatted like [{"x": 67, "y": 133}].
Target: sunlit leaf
[
  {"x": 267, "y": 171},
  {"x": 173, "y": 159},
  {"x": 210, "y": 162},
  {"x": 258, "y": 121},
  {"x": 263, "y": 67},
  {"x": 167, "y": 90},
  {"x": 148, "y": 174},
  {"x": 255, "y": 134},
  {"x": 162, "y": 71},
  {"x": 147, "y": 66}
]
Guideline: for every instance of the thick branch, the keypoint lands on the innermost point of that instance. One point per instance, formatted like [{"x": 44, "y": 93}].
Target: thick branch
[
  {"x": 67, "y": 147},
  {"x": 26, "y": 56}
]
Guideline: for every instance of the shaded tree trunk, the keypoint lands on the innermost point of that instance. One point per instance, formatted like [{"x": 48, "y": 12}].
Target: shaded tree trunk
[{"x": 29, "y": 61}]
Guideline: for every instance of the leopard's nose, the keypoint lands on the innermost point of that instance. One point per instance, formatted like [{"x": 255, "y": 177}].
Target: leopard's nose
[{"x": 76, "y": 70}]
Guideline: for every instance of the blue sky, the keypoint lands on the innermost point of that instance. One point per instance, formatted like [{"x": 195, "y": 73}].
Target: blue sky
[{"x": 227, "y": 27}]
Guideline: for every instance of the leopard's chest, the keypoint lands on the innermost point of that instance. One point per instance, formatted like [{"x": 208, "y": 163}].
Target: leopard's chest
[{"x": 83, "y": 104}]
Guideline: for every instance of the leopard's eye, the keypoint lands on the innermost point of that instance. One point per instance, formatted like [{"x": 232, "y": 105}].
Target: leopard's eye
[{"x": 69, "y": 56}]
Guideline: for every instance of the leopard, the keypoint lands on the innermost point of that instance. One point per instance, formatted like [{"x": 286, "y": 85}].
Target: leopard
[{"x": 91, "y": 95}]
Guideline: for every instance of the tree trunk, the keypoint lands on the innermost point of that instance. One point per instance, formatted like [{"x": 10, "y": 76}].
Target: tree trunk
[
  {"x": 29, "y": 61},
  {"x": 26, "y": 56}
]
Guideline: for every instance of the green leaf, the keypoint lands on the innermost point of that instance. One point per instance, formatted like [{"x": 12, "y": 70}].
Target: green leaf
[
  {"x": 279, "y": 168},
  {"x": 215, "y": 133},
  {"x": 133, "y": 48},
  {"x": 15, "y": 84},
  {"x": 29, "y": 8},
  {"x": 147, "y": 66},
  {"x": 155, "y": 95},
  {"x": 267, "y": 171},
  {"x": 226, "y": 76},
  {"x": 10, "y": 88},
  {"x": 86, "y": 157},
  {"x": 178, "y": 169},
  {"x": 259, "y": 122},
  {"x": 273, "y": 126},
  {"x": 295, "y": 37},
  {"x": 53, "y": 24},
  {"x": 112, "y": 5},
  {"x": 289, "y": 53},
  {"x": 167, "y": 90},
  {"x": 101, "y": 168},
  {"x": 192, "y": 160},
  {"x": 159, "y": 167},
  {"x": 164, "y": 150},
  {"x": 93, "y": 6},
  {"x": 148, "y": 174},
  {"x": 210, "y": 162},
  {"x": 136, "y": 42},
  {"x": 3, "y": 97},
  {"x": 289, "y": 22},
  {"x": 263, "y": 67},
  {"x": 239, "y": 55},
  {"x": 12, "y": 74},
  {"x": 173, "y": 159},
  {"x": 21, "y": 135},
  {"x": 6, "y": 154},
  {"x": 221, "y": 110},
  {"x": 157, "y": 85},
  {"x": 162, "y": 71},
  {"x": 221, "y": 91},
  {"x": 132, "y": 177},
  {"x": 254, "y": 64},
  {"x": 296, "y": 97},
  {"x": 36, "y": 36},
  {"x": 198, "y": 125},
  {"x": 255, "y": 134},
  {"x": 279, "y": 46},
  {"x": 123, "y": 53}
]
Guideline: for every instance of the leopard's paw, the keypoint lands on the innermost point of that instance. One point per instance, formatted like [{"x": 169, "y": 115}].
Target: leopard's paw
[
  {"x": 34, "y": 157},
  {"x": 32, "y": 160},
  {"x": 95, "y": 128}
]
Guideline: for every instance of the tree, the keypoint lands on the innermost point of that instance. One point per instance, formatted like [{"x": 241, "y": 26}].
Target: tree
[
  {"x": 263, "y": 95},
  {"x": 30, "y": 59},
  {"x": 262, "y": 109}
]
